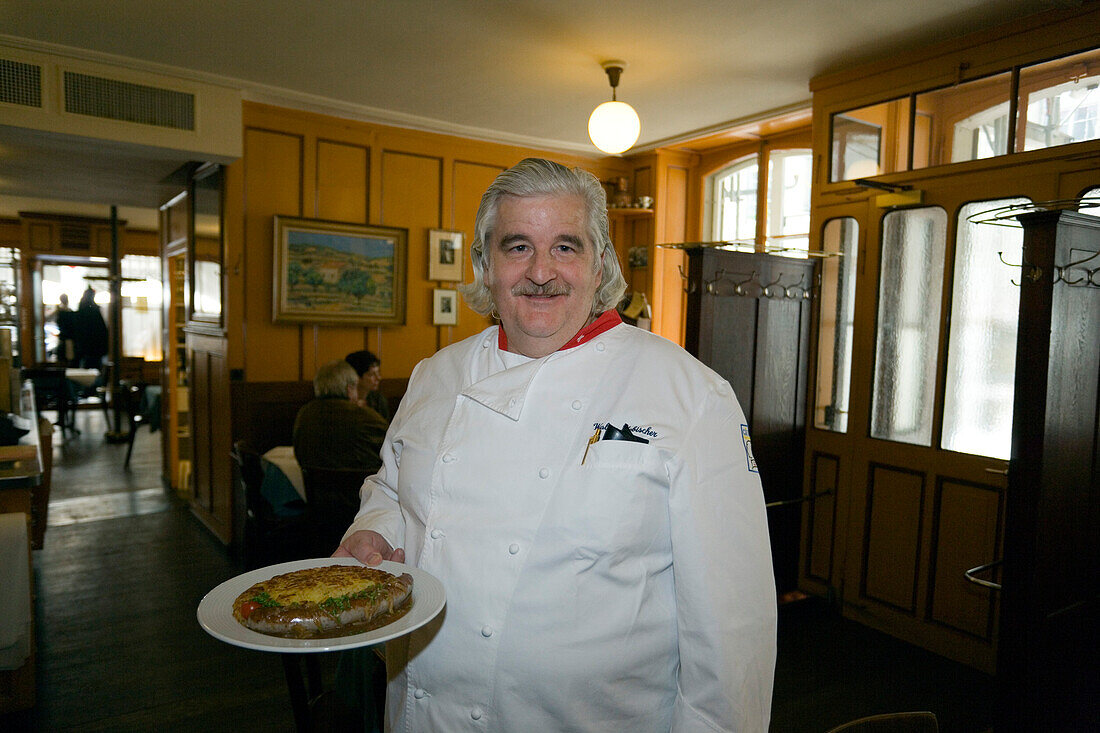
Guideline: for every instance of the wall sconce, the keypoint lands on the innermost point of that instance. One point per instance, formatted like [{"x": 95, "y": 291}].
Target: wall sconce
[{"x": 614, "y": 125}]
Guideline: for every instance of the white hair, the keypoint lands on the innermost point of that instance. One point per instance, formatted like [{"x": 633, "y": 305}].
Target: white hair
[{"x": 539, "y": 177}]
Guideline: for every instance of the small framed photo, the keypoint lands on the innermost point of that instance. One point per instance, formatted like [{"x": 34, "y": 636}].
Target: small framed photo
[
  {"x": 444, "y": 307},
  {"x": 445, "y": 255}
]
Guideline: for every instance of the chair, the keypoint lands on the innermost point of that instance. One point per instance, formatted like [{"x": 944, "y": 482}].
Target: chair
[
  {"x": 332, "y": 500},
  {"x": 910, "y": 722},
  {"x": 268, "y": 538},
  {"x": 52, "y": 391},
  {"x": 132, "y": 401}
]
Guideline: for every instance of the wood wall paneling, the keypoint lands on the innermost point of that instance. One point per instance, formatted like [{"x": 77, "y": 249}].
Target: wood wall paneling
[
  {"x": 965, "y": 536},
  {"x": 342, "y": 193},
  {"x": 470, "y": 180},
  {"x": 821, "y": 517},
  {"x": 211, "y": 475},
  {"x": 893, "y": 537},
  {"x": 272, "y": 185},
  {"x": 342, "y": 181},
  {"x": 412, "y": 187}
]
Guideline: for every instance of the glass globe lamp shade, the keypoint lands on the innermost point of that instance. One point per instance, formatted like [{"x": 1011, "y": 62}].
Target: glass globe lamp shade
[{"x": 614, "y": 127}]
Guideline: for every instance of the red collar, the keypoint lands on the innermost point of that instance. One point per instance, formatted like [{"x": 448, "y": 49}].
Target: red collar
[{"x": 606, "y": 321}]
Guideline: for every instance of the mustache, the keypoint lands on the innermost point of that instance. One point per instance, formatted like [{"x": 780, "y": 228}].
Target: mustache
[{"x": 551, "y": 288}]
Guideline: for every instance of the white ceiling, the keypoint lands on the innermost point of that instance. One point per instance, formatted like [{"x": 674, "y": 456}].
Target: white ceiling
[{"x": 522, "y": 71}]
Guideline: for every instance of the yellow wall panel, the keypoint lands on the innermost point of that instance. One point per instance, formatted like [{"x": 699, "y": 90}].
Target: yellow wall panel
[
  {"x": 343, "y": 180},
  {"x": 412, "y": 199},
  {"x": 272, "y": 185},
  {"x": 470, "y": 182},
  {"x": 342, "y": 184}
]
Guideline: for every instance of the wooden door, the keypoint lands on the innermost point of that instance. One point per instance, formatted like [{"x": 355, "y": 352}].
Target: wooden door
[{"x": 903, "y": 512}]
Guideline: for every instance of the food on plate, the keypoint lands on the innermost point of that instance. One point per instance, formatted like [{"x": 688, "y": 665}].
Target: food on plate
[{"x": 333, "y": 600}]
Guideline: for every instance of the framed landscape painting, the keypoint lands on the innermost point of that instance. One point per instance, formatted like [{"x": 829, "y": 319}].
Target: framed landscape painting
[{"x": 334, "y": 272}]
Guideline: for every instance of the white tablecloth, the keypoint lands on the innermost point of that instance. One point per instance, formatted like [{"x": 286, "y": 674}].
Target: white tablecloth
[
  {"x": 282, "y": 456},
  {"x": 83, "y": 377}
]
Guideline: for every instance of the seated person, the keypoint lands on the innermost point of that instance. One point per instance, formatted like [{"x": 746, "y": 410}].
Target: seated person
[
  {"x": 334, "y": 430},
  {"x": 369, "y": 369}
]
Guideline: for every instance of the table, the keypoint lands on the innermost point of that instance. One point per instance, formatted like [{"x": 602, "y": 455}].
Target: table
[
  {"x": 283, "y": 485},
  {"x": 83, "y": 377}
]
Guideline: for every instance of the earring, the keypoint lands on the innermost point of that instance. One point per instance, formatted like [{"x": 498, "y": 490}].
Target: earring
[{"x": 494, "y": 315}]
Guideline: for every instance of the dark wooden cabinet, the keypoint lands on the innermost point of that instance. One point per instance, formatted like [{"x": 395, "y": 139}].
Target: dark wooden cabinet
[
  {"x": 1046, "y": 663},
  {"x": 748, "y": 317}
]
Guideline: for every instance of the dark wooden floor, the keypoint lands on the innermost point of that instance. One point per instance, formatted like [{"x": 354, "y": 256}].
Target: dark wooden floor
[{"x": 125, "y": 565}]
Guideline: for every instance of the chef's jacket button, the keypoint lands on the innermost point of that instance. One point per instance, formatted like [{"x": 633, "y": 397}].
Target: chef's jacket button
[
  {"x": 544, "y": 472},
  {"x": 600, "y": 346},
  {"x": 448, "y": 458},
  {"x": 476, "y": 713},
  {"x": 420, "y": 693},
  {"x": 486, "y": 631},
  {"x": 436, "y": 534},
  {"x": 514, "y": 548},
  {"x": 577, "y": 404},
  {"x": 512, "y": 402}
]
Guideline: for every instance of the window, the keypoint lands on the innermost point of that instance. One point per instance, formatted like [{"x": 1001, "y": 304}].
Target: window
[
  {"x": 838, "y": 306},
  {"x": 788, "y": 225},
  {"x": 968, "y": 121},
  {"x": 1057, "y": 103},
  {"x": 870, "y": 140},
  {"x": 733, "y": 203},
  {"x": 141, "y": 307},
  {"x": 981, "y": 351},
  {"x": 733, "y": 193},
  {"x": 907, "y": 334},
  {"x": 1061, "y": 101}
]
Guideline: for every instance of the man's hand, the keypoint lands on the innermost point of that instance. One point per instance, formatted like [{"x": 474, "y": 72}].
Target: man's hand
[{"x": 368, "y": 547}]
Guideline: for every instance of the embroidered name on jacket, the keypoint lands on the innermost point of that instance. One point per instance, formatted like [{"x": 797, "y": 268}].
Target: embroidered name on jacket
[
  {"x": 748, "y": 449},
  {"x": 647, "y": 431}
]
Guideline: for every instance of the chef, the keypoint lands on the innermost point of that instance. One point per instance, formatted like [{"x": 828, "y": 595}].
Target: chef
[{"x": 586, "y": 493}]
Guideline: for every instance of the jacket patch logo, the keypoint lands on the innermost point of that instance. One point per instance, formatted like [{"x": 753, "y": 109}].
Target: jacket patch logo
[{"x": 748, "y": 448}]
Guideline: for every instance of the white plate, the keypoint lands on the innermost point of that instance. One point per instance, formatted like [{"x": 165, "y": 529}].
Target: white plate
[{"x": 216, "y": 609}]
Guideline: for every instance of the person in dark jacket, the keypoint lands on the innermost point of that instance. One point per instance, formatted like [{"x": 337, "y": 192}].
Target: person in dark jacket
[
  {"x": 333, "y": 430},
  {"x": 89, "y": 333}
]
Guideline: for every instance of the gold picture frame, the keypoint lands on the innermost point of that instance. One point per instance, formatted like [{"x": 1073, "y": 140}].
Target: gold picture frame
[
  {"x": 444, "y": 307},
  {"x": 445, "y": 255},
  {"x": 338, "y": 272}
]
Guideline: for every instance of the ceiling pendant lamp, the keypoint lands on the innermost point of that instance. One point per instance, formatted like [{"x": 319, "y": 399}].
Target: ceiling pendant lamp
[{"x": 614, "y": 125}]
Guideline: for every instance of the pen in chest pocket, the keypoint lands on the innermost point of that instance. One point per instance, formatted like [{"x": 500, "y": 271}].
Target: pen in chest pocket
[{"x": 594, "y": 439}]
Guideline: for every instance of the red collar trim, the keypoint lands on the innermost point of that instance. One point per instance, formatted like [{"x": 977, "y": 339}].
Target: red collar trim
[{"x": 606, "y": 321}]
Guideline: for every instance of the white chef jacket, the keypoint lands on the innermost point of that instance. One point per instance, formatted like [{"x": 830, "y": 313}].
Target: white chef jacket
[{"x": 629, "y": 589}]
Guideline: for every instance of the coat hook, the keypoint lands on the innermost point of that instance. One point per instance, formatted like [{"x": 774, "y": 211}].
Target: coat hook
[{"x": 1031, "y": 272}]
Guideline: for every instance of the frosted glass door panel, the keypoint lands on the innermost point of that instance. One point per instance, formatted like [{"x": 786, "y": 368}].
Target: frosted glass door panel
[
  {"x": 981, "y": 352},
  {"x": 907, "y": 333}
]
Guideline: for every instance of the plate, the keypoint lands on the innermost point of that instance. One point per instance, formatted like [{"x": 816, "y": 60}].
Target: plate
[{"x": 216, "y": 609}]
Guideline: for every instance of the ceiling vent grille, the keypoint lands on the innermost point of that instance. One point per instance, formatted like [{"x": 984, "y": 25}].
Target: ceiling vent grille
[
  {"x": 118, "y": 100},
  {"x": 20, "y": 83}
]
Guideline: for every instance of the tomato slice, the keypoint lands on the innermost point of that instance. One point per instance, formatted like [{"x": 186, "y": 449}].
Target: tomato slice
[{"x": 248, "y": 607}]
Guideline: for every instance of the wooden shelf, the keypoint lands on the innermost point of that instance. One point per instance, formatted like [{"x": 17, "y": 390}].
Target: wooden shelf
[{"x": 629, "y": 212}]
